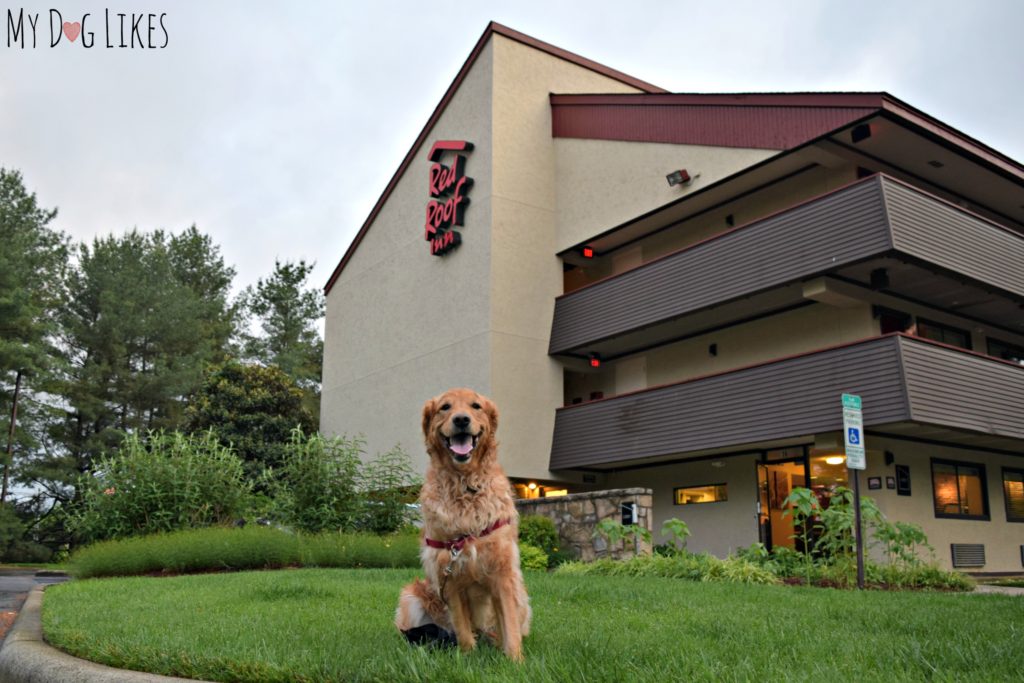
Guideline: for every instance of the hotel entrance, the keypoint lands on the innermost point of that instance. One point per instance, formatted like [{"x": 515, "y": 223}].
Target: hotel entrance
[{"x": 778, "y": 474}]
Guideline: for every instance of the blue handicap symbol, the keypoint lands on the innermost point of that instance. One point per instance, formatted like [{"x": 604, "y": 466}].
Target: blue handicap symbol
[{"x": 854, "y": 437}]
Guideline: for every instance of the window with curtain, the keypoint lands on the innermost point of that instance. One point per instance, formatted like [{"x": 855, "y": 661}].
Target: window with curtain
[
  {"x": 1013, "y": 494},
  {"x": 959, "y": 489}
]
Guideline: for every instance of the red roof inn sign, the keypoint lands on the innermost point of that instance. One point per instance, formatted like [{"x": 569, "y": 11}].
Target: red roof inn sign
[{"x": 448, "y": 188}]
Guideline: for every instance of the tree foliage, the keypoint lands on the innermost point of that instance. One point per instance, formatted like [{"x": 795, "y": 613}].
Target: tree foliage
[
  {"x": 144, "y": 314},
  {"x": 32, "y": 261},
  {"x": 288, "y": 313},
  {"x": 251, "y": 408}
]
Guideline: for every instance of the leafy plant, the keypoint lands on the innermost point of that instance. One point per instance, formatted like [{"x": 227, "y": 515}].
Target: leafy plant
[
  {"x": 539, "y": 531},
  {"x": 321, "y": 480},
  {"x": 803, "y": 505},
  {"x": 532, "y": 557},
  {"x": 901, "y": 541},
  {"x": 615, "y": 532},
  {"x": 165, "y": 482},
  {"x": 677, "y": 531},
  {"x": 389, "y": 485}
]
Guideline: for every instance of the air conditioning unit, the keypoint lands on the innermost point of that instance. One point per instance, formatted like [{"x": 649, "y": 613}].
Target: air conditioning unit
[{"x": 968, "y": 554}]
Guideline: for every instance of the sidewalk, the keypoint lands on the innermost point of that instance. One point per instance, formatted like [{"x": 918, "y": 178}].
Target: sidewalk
[{"x": 26, "y": 658}]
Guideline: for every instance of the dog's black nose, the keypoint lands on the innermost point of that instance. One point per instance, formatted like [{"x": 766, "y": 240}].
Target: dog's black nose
[{"x": 461, "y": 421}]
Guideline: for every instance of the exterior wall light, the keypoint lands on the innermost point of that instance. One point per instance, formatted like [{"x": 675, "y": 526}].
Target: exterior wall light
[{"x": 678, "y": 177}]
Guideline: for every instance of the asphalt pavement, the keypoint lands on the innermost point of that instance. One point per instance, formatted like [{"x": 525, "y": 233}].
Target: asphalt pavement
[{"x": 14, "y": 587}]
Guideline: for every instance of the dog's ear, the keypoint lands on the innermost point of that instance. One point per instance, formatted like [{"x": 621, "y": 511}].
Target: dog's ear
[
  {"x": 492, "y": 413},
  {"x": 429, "y": 408}
]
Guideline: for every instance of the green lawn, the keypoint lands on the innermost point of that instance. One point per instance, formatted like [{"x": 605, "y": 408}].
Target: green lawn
[{"x": 335, "y": 625}]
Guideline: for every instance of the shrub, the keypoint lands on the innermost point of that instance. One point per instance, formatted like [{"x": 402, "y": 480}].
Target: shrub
[
  {"x": 237, "y": 549},
  {"x": 615, "y": 532},
  {"x": 163, "y": 483},
  {"x": 690, "y": 566},
  {"x": 538, "y": 531},
  {"x": 321, "y": 478},
  {"x": 389, "y": 484},
  {"x": 532, "y": 557},
  {"x": 325, "y": 486},
  {"x": 677, "y": 531},
  {"x": 251, "y": 408}
]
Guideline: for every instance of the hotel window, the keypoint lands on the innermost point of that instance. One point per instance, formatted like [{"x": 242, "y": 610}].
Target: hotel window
[
  {"x": 953, "y": 336},
  {"x": 1013, "y": 493},
  {"x": 706, "y": 493},
  {"x": 959, "y": 490},
  {"x": 1010, "y": 352}
]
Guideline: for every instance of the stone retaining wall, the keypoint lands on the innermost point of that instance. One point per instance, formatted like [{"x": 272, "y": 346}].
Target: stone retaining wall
[{"x": 576, "y": 516}]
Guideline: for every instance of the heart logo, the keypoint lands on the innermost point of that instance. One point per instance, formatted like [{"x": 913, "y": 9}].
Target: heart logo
[{"x": 72, "y": 30}]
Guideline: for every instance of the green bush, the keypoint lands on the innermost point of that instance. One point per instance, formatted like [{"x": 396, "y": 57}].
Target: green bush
[
  {"x": 165, "y": 482},
  {"x": 325, "y": 485},
  {"x": 532, "y": 557},
  {"x": 389, "y": 484},
  {"x": 682, "y": 565},
  {"x": 251, "y": 408},
  {"x": 359, "y": 550},
  {"x": 253, "y": 547},
  {"x": 320, "y": 480},
  {"x": 538, "y": 531}
]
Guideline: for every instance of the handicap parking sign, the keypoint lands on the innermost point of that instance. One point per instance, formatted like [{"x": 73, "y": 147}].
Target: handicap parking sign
[{"x": 853, "y": 427}]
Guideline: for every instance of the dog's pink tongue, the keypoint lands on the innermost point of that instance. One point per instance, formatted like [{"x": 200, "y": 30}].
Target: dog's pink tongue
[{"x": 462, "y": 444}]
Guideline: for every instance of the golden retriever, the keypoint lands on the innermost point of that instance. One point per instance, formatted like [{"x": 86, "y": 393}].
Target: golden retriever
[{"x": 470, "y": 533}]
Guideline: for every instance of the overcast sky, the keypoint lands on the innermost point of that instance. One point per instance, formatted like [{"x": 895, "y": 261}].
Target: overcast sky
[{"x": 275, "y": 126}]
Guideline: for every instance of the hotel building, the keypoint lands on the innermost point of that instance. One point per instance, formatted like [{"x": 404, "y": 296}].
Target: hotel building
[{"x": 674, "y": 290}]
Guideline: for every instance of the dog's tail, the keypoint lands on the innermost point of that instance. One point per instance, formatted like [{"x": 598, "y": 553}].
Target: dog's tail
[{"x": 421, "y": 613}]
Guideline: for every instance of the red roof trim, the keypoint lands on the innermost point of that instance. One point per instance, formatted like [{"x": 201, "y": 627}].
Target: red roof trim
[
  {"x": 819, "y": 99},
  {"x": 492, "y": 28}
]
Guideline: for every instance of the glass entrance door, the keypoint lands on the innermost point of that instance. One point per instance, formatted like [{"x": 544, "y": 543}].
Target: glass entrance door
[{"x": 775, "y": 481}]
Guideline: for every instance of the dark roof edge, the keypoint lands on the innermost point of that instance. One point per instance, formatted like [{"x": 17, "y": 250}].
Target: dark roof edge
[
  {"x": 492, "y": 28},
  {"x": 932, "y": 125}
]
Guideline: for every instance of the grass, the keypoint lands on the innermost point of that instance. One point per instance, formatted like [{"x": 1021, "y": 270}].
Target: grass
[
  {"x": 335, "y": 625},
  {"x": 219, "y": 549}
]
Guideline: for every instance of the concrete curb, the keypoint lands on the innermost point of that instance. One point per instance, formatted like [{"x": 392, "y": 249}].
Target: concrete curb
[{"x": 26, "y": 658}]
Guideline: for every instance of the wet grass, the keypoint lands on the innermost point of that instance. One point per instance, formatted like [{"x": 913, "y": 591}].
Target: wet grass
[{"x": 335, "y": 625}]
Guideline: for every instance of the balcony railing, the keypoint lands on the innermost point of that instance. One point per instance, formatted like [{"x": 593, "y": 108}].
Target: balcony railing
[
  {"x": 901, "y": 379},
  {"x": 933, "y": 252}
]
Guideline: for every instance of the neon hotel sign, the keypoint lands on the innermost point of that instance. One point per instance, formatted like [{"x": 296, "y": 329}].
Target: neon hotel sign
[{"x": 448, "y": 188}]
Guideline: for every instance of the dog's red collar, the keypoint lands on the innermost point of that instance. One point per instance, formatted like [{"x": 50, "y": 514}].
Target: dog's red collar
[{"x": 457, "y": 544}]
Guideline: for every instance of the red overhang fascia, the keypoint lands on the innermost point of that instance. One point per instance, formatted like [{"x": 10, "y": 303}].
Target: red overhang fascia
[
  {"x": 829, "y": 100},
  {"x": 492, "y": 29}
]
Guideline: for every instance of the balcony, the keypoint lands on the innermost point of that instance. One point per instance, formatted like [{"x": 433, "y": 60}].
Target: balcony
[
  {"x": 910, "y": 387},
  {"x": 930, "y": 252}
]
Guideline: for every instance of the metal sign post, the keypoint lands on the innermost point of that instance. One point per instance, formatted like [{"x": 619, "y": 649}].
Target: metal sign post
[{"x": 856, "y": 460}]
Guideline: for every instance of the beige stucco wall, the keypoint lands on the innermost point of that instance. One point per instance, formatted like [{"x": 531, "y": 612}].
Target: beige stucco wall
[
  {"x": 525, "y": 275},
  {"x": 804, "y": 329},
  {"x": 718, "y": 528},
  {"x": 1002, "y": 539},
  {"x": 603, "y": 183},
  {"x": 721, "y": 528},
  {"x": 403, "y": 325}
]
